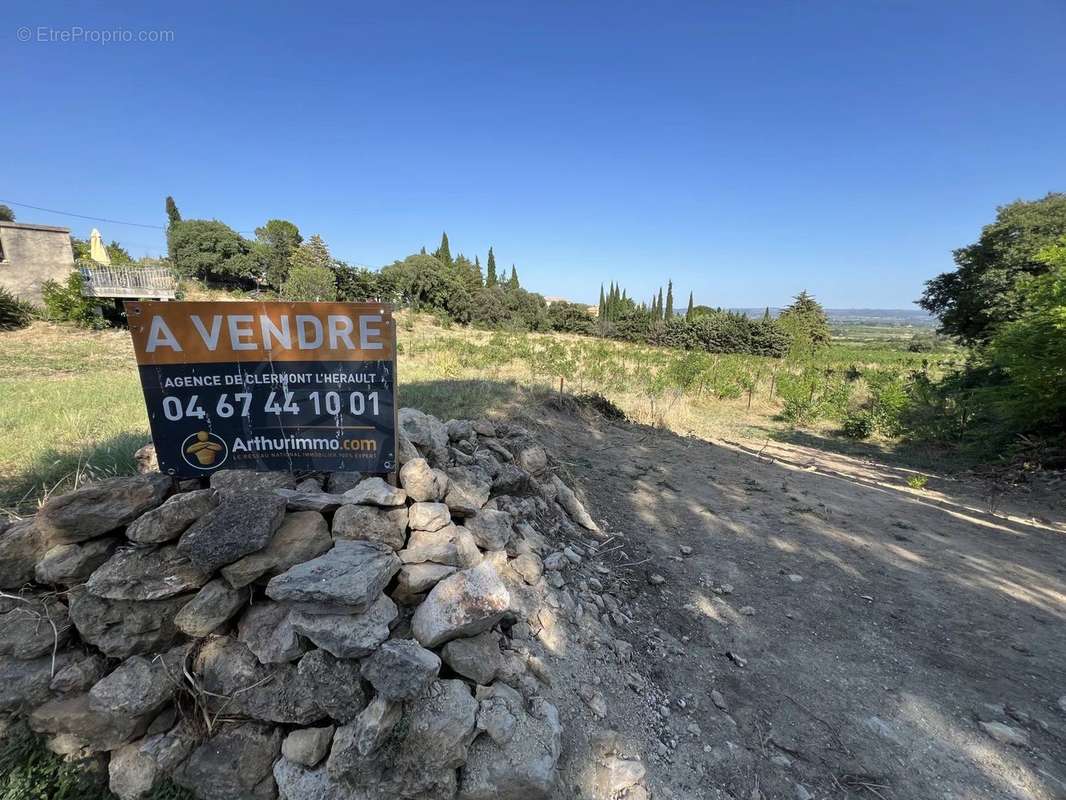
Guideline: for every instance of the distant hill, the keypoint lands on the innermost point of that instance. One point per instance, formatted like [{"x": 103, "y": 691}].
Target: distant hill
[
  {"x": 912, "y": 317},
  {"x": 903, "y": 317}
]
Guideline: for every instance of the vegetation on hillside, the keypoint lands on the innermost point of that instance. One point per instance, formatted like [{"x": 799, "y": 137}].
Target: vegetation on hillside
[
  {"x": 14, "y": 313},
  {"x": 1006, "y": 300},
  {"x": 64, "y": 302}
]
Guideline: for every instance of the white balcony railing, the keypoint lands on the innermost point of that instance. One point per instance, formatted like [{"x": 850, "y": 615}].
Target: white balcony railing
[{"x": 130, "y": 282}]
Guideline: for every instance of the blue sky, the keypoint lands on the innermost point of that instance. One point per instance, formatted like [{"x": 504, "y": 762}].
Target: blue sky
[{"x": 747, "y": 150}]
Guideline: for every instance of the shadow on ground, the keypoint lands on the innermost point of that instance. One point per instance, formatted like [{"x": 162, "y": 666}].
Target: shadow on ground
[
  {"x": 913, "y": 455},
  {"x": 855, "y": 628}
]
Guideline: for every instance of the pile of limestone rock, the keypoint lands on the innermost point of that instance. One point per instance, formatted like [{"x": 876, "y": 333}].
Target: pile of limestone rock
[{"x": 304, "y": 637}]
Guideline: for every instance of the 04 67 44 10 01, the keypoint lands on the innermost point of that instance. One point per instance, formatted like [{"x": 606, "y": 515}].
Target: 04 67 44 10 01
[{"x": 276, "y": 402}]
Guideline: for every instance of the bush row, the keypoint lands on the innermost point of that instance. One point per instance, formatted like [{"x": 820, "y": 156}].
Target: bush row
[{"x": 717, "y": 332}]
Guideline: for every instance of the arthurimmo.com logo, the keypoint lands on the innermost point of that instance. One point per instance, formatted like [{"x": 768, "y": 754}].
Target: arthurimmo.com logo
[{"x": 204, "y": 450}]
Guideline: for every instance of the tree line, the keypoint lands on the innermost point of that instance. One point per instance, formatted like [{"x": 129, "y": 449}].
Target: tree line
[{"x": 281, "y": 261}]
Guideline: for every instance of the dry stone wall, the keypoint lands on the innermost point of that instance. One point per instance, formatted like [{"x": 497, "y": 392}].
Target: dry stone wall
[{"x": 263, "y": 637}]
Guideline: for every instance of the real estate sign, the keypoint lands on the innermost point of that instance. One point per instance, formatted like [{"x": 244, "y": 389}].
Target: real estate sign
[{"x": 268, "y": 386}]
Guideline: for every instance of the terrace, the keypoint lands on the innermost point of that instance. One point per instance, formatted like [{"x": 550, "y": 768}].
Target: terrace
[{"x": 156, "y": 283}]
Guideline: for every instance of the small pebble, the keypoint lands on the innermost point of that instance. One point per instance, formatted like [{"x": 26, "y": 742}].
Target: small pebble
[{"x": 655, "y": 579}]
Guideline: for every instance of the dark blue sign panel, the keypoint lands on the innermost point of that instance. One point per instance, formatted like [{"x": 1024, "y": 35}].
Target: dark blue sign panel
[{"x": 257, "y": 405}]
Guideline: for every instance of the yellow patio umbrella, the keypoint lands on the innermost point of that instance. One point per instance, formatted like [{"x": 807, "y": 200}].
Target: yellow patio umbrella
[{"x": 97, "y": 251}]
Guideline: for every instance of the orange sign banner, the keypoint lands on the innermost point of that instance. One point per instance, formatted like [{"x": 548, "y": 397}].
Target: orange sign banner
[{"x": 234, "y": 332}]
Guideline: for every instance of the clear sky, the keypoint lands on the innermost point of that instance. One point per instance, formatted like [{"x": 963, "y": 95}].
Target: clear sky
[{"x": 746, "y": 149}]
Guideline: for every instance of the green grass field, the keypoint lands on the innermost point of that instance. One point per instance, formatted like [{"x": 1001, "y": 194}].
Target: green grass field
[{"x": 71, "y": 406}]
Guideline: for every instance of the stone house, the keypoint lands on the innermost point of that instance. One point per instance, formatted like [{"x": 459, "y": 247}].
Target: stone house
[{"x": 31, "y": 255}]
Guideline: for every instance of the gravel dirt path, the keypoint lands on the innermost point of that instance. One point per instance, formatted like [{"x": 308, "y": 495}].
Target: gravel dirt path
[{"x": 820, "y": 629}]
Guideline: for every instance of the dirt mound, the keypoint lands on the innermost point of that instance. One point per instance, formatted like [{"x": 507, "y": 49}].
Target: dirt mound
[{"x": 597, "y": 403}]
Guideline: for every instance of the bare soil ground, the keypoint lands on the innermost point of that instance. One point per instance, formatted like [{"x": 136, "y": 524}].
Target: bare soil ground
[{"x": 852, "y": 628}]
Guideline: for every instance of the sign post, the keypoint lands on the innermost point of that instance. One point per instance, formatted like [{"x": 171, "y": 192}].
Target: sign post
[{"x": 268, "y": 386}]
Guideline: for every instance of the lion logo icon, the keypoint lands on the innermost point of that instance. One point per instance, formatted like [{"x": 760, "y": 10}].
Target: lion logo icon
[{"x": 204, "y": 450}]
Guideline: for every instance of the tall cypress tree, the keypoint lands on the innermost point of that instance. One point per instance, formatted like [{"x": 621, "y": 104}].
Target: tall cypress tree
[
  {"x": 513, "y": 282},
  {"x": 173, "y": 215},
  {"x": 688, "y": 311},
  {"x": 444, "y": 252},
  {"x": 669, "y": 300},
  {"x": 490, "y": 274},
  {"x": 603, "y": 304},
  {"x": 659, "y": 304},
  {"x": 766, "y": 315}
]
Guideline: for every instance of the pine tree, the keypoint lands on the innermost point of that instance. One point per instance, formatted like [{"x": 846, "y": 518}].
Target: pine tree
[
  {"x": 669, "y": 300},
  {"x": 659, "y": 304},
  {"x": 603, "y": 304},
  {"x": 513, "y": 282},
  {"x": 806, "y": 323},
  {"x": 422, "y": 251},
  {"x": 688, "y": 311},
  {"x": 766, "y": 315},
  {"x": 478, "y": 272},
  {"x": 444, "y": 253},
  {"x": 173, "y": 215},
  {"x": 490, "y": 274}
]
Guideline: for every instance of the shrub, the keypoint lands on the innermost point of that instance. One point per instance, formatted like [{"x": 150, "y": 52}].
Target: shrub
[
  {"x": 888, "y": 401},
  {"x": 65, "y": 303},
  {"x": 571, "y": 318},
  {"x": 858, "y": 424},
  {"x": 14, "y": 313},
  {"x": 309, "y": 283},
  {"x": 502, "y": 307},
  {"x": 813, "y": 394}
]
